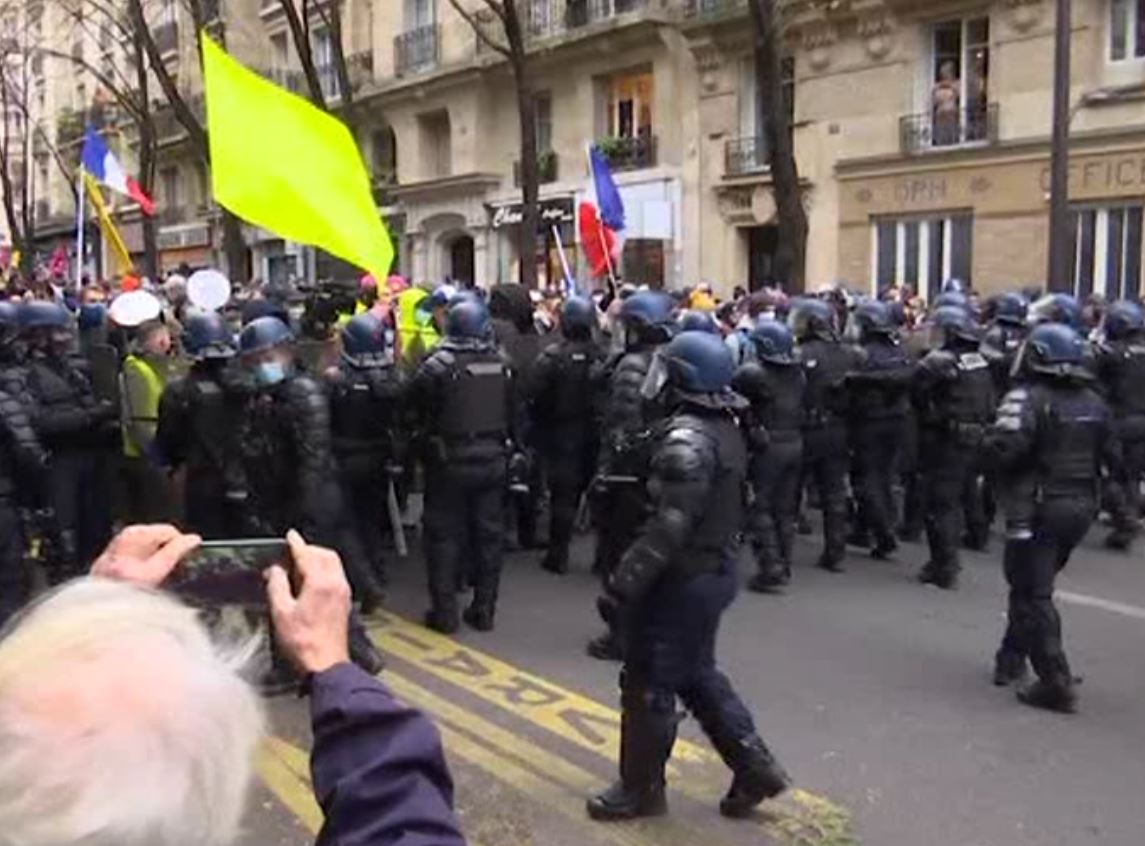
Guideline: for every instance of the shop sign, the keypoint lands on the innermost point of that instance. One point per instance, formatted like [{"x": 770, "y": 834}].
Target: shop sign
[{"x": 552, "y": 212}]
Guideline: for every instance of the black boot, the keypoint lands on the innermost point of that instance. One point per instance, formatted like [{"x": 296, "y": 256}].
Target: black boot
[
  {"x": 1009, "y": 667},
  {"x": 479, "y": 616},
  {"x": 362, "y": 649},
  {"x": 932, "y": 574},
  {"x": 443, "y": 616},
  {"x": 1056, "y": 696},
  {"x": 646, "y": 740},
  {"x": 1120, "y": 539},
  {"x": 885, "y": 548},
  {"x": 605, "y": 648},
  {"x": 830, "y": 564},
  {"x": 770, "y": 581},
  {"x": 758, "y": 776},
  {"x": 556, "y": 560}
]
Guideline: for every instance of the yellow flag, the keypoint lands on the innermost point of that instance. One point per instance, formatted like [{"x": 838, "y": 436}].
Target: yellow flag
[
  {"x": 282, "y": 164},
  {"x": 107, "y": 226}
]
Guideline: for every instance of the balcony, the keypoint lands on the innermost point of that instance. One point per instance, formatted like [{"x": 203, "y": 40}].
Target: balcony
[
  {"x": 43, "y": 211},
  {"x": 629, "y": 153},
  {"x": 360, "y": 68},
  {"x": 417, "y": 50},
  {"x": 580, "y": 13},
  {"x": 974, "y": 127},
  {"x": 547, "y": 168},
  {"x": 167, "y": 126},
  {"x": 172, "y": 215},
  {"x": 745, "y": 155},
  {"x": 166, "y": 37},
  {"x": 291, "y": 80},
  {"x": 709, "y": 9},
  {"x": 70, "y": 127}
]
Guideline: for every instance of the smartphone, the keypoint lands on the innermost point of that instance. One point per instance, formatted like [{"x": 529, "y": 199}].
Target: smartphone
[{"x": 229, "y": 572}]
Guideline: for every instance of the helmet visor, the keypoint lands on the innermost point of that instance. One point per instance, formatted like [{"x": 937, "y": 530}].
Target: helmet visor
[{"x": 656, "y": 378}]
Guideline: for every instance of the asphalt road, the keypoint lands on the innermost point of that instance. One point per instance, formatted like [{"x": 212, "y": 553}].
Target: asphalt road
[{"x": 872, "y": 689}]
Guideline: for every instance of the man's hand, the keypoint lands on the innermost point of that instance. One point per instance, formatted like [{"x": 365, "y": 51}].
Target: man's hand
[
  {"x": 312, "y": 628},
  {"x": 144, "y": 555}
]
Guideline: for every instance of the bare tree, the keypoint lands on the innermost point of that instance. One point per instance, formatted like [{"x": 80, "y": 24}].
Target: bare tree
[
  {"x": 508, "y": 39},
  {"x": 791, "y": 258}
]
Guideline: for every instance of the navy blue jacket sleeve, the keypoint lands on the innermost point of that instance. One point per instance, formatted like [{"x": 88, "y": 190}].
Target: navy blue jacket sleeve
[{"x": 377, "y": 765}]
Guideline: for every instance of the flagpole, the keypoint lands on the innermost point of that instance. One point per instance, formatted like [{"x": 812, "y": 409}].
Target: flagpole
[
  {"x": 80, "y": 211},
  {"x": 607, "y": 257},
  {"x": 570, "y": 285}
]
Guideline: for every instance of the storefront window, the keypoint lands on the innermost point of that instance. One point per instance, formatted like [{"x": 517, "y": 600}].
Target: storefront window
[
  {"x": 642, "y": 262},
  {"x": 921, "y": 252},
  {"x": 1126, "y": 29},
  {"x": 1107, "y": 251}
]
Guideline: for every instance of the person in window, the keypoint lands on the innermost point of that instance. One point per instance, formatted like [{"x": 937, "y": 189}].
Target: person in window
[{"x": 946, "y": 105}]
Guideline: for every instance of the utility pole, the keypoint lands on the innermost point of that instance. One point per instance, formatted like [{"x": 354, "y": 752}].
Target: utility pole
[{"x": 1059, "y": 261}]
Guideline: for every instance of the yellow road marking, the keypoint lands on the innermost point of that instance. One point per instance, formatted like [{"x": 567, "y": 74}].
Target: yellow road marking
[
  {"x": 798, "y": 816},
  {"x": 277, "y": 765},
  {"x": 522, "y": 764}
]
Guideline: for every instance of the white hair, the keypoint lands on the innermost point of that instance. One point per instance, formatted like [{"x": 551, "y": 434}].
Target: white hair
[{"x": 121, "y": 724}]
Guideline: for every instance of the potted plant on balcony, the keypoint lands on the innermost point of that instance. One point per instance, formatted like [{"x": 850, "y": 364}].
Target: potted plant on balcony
[{"x": 547, "y": 165}]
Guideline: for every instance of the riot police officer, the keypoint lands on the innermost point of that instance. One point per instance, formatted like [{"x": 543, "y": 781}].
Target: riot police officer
[
  {"x": 953, "y": 394},
  {"x": 77, "y": 429},
  {"x": 283, "y": 476},
  {"x": 1052, "y": 437},
  {"x": 366, "y": 393},
  {"x": 775, "y": 385},
  {"x": 1004, "y": 336},
  {"x": 462, "y": 397},
  {"x": 826, "y": 364},
  {"x": 673, "y": 584},
  {"x": 646, "y": 323},
  {"x": 197, "y": 415},
  {"x": 879, "y": 387},
  {"x": 561, "y": 394},
  {"x": 1121, "y": 371}
]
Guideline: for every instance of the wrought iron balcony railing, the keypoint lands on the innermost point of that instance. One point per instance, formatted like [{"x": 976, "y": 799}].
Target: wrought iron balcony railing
[
  {"x": 974, "y": 126},
  {"x": 548, "y": 168},
  {"x": 417, "y": 50},
  {"x": 745, "y": 155},
  {"x": 584, "y": 12}
]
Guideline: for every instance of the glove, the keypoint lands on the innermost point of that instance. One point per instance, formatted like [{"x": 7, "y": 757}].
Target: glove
[{"x": 103, "y": 412}]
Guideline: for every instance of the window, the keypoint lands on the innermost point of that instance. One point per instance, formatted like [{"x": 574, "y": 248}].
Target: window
[
  {"x": 959, "y": 81},
  {"x": 629, "y": 105},
  {"x": 543, "y": 118},
  {"x": 750, "y": 151},
  {"x": 279, "y": 56},
  {"x": 384, "y": 153},
  {"x": 1107, "y": 250},
  {"x": 169, "y": 187},
  {"x": 1126, "y": 29},
  {"x": 921, "y": 252},
  {"x": 436, "y": 144},
  {"x": 642, "y": 262},
  {"x": 418, "y": 14},
  {"x": 323, "y": 49},
  {"x": 540, "y": 16}
]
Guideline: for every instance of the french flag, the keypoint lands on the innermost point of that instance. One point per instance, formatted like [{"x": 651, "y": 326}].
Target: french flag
[
  {"x": 601, "y": 222},
  {"x": 101, "y": 163}
]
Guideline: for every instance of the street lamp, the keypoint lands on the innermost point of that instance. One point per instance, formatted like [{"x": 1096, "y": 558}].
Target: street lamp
[{"x": 1059, "y": 264}]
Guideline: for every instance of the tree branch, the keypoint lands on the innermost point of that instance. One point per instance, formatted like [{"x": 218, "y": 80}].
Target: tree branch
[
  {"x": 305, "y": 54},
  {"x": 479, "y": 29}
]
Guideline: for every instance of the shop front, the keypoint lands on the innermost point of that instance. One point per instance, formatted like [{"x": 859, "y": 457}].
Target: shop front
[
  {"x": 984, "y": 219},
  {"x": 556, "y": 228}
]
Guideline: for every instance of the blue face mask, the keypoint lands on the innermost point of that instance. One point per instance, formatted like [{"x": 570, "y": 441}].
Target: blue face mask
[{"x": 268, "y": 373}]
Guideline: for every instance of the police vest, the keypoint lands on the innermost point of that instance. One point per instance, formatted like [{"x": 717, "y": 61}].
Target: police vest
[{"x": 139, "y": 410}]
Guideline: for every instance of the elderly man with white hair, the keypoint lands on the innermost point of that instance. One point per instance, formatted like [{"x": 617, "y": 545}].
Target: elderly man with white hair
[{"x": 122, "y": 724}]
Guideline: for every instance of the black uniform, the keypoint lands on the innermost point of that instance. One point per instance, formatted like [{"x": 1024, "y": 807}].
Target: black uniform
[
  {"x": 197, "y": 418},
  {"x": 22, "y": 464},
  {"x": 777, "y": 393},
  {"x": 369, "y": 449},
  {"x": 673, "y": 585},
  {"x": 462, "y": 397},
  {"x": 880, "y": 396},
  {"x": 1051, "y": 440},
  {"x": 1000, "y": 347},
  {"x": 953, "y": 393},
  {"x": 80, "y": 433},
  {"x": 1121, "y": 369},
  {"x": 826, "y": 365},
  {"x": 561, "y": 394}
]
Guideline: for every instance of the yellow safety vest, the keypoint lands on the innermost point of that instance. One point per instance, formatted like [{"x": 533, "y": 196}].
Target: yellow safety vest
[
  {"x": 148, "y": 412},
  {"x": 418, "y": 336}
]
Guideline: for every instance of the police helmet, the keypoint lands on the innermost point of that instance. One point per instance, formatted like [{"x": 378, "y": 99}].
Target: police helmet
[
  {"x": 874, "y": 318},
  {"x": 955, "y": 323},
  {"x": 468, "y": 317},
  {"x": 955, "y": 299},
  {"x": 953, "y": 286},
  {"x": 9, "y": 322},
  {"x": 773, "y": 341},
  {"x": 40, "y": 314},
  {"x": 253, "y": 310},
  {"x": 698, "y": 363},
  {"x": 1011, "y": 309},
  {"x": 1054, "y": 349},
  {"x": 365, "y": 340},
  {"x": 578, "y": 317},
  {"x": 91, "y": 315},
  {"x": 264, "y": 333},
  {"x": 812, "y": 318},
  {"x": 647, "y": 316},
  {"x": 1056, "y": 308},
  {"x": 1122, "y": 319},
  {"x": 207, "y": 336},
  {"x": 695, "y": 320}
]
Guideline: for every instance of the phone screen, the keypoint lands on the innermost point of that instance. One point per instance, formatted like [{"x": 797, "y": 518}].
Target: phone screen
[{"x": 229, "y": 572}]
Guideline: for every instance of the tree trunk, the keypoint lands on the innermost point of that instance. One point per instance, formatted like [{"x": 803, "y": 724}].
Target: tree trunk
[
  {"x": 791, "y": 255},
  {"x": 333, "y": 17},
  {"x": 234, "y": 248},
  {"x": 299, "y": 32},
  {"x": 530, "y": 176}
]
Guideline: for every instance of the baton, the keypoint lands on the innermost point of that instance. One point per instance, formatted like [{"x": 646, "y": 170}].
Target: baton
[{"x": 396, "y": 519}]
